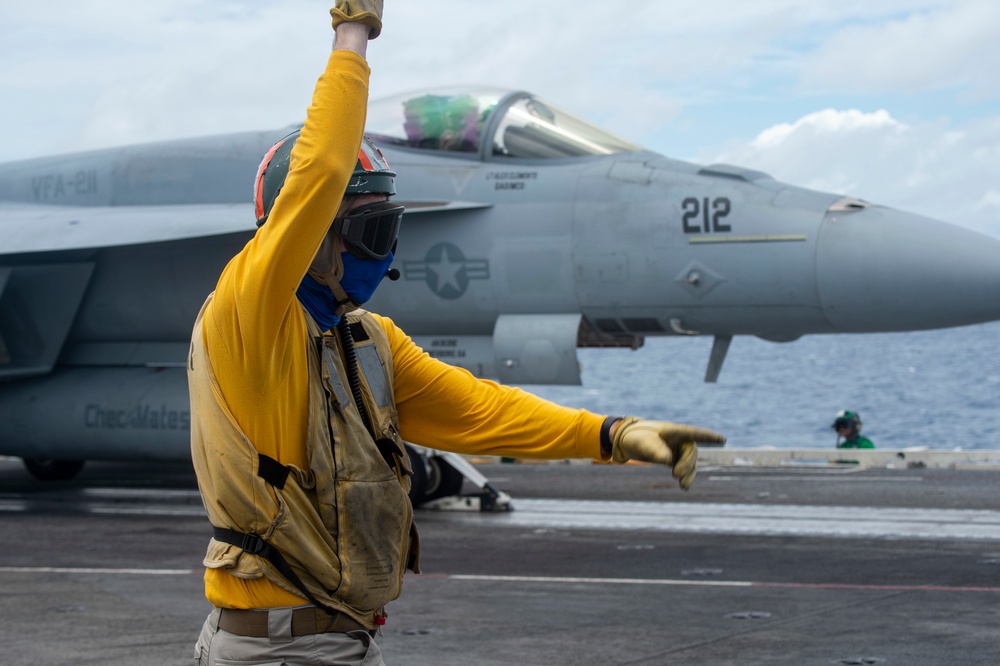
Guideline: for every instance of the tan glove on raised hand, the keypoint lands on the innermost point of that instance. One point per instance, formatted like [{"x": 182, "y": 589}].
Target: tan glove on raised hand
[
  {"x": 662, "y": 442},
  {"x": 368, "y": 12}
]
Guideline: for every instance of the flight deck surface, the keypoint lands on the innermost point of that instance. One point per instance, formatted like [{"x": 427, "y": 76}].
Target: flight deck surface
[{"x": 596, "y": 565}]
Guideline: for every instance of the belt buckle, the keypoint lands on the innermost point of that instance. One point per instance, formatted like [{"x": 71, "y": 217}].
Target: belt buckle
[{"x": 252, "y": 544}]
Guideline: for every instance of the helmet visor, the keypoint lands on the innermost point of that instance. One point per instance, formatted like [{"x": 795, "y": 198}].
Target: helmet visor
[{"x": 370, "y": 231}]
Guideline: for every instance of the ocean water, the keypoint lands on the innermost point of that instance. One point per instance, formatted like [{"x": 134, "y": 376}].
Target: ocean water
[{"x": 939, "y": 389}]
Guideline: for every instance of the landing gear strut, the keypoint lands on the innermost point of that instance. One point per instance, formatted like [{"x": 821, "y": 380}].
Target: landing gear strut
[{"x": 437, "y": 481}]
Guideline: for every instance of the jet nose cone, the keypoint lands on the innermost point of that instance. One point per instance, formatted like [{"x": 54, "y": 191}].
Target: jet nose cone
[{"x": 880, "y": 269}]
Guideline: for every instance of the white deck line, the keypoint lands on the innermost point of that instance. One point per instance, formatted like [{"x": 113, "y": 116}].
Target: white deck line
[{"x": 748, "y": 519}]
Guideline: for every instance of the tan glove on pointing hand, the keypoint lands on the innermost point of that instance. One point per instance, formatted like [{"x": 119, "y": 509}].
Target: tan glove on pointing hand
[
  {"x": 368, "y": 12},
  {"x": 662, "y": 442}
]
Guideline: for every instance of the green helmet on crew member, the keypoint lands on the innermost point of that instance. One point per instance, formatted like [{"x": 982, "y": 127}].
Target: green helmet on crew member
[
  {"x": 372, "y": 174},
  {"x": 369, "y": 230},
  {"x": 847, "y": 419}
]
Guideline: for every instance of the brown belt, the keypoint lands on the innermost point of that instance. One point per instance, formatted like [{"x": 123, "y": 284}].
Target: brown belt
[{"x": 305, "y": 621}]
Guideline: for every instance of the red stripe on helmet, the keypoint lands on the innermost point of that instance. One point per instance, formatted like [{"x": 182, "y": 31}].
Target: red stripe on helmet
[
  {"x": 258, "y": 183},
  {"x": 363, "y": 158}
]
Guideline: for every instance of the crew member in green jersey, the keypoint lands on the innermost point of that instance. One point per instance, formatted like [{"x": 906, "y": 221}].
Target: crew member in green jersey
[{"x": 848, "y": 427}]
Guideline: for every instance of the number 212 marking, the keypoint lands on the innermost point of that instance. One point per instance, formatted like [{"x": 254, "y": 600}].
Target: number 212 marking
[{"x": 711, "y": 212}]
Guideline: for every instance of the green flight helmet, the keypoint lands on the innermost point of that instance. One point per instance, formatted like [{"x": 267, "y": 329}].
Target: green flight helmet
[
  {"x": 847, "y": 418},
  {"x": 372, "y": 174}
]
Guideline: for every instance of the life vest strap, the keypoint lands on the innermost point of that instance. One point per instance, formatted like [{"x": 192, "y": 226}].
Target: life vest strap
[
  {"x": 255, "y": 545},
  {"x": 272, "y": 471}
]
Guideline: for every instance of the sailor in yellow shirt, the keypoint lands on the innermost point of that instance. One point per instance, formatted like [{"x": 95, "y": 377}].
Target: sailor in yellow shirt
[{"x": 301, "y": 401}]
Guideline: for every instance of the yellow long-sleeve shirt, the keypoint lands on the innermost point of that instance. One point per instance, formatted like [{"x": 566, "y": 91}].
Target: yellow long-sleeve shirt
[{"x": 256, "y": 336}]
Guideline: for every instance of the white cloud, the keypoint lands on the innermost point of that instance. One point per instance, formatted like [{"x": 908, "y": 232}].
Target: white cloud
[
  {"x": 159, "y": 71},
  {"x": 138, "y": 71},
  {"x": 949, "y": 46},
  {"x": 92, "y": 73},
  {"x": 929, "y": 168},
  {"x": 827, "y": 123},
  {"x": 989, "y": 204}
]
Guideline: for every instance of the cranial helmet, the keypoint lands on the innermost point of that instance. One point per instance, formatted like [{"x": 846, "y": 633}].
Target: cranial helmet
[
  {"x": 847, "y": 418},
  {"x": 371, "y": 174},
  {"x": 367, "y": 232}
]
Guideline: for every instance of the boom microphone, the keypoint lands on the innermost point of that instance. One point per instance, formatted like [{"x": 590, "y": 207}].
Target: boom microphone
[{"x": 392, "y": 274}]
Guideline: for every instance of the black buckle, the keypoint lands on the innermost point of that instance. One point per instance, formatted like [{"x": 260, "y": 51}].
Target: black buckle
[{"x": 252, "y": 544}]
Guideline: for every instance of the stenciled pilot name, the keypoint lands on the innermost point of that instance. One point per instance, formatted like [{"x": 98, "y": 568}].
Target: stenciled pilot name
[{"x": 510, "y": 180}]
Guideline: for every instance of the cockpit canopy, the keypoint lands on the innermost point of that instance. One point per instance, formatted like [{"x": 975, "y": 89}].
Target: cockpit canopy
[{"x": 487, "y": 122}]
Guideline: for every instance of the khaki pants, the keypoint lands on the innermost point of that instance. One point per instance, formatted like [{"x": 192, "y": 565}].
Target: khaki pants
[{"x": 218, "y": 647}]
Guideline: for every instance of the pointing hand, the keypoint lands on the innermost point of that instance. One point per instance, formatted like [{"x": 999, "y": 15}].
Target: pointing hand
[{"x": 664, "y": 443}]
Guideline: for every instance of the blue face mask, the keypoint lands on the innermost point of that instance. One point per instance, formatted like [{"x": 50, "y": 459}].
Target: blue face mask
[
  {"x": 362, "y": 276},
  {"x": 319, "y": 301},
  {"x": 361, "y": 279}
]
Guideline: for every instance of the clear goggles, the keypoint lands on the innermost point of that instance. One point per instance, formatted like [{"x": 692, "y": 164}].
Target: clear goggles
[{"x": 370, "y": 231}]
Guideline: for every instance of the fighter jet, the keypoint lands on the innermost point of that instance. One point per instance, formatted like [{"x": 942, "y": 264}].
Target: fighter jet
[{"x": 529, "y": 233}]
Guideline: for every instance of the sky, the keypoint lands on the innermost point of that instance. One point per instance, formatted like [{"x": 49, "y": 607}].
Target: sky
[{"x": 896, "y": 102}]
